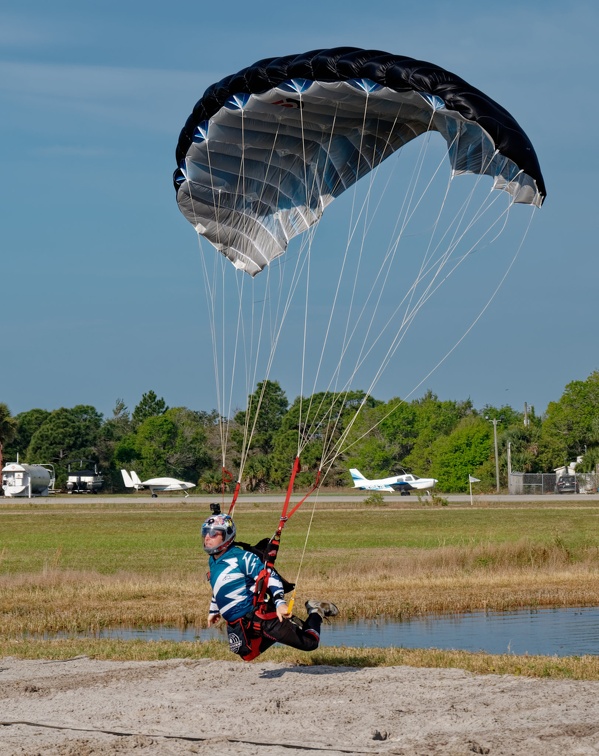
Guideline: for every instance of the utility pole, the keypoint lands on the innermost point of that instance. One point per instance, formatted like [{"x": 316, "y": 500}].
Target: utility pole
[{"x": 496, "y": 453}]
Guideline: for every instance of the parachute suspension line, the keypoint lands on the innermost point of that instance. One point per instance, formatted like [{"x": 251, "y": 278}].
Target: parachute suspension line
[
  {"x": 453, "y": 348},
  {"x": 252, "y": 413},
  {"x": 306, "y": 297},
  {"x": 304, "y": 435},
  {"x": 392, "y": 249},
  {"x": 210, "y": 299},
  {"x": 308, "y": 433},
  {"x": 327, "y": 331},
  {"x": 266, "y": 304},
  {"x": 343, "y": 447},
  {"x": 300, "y": 432},
  {"x": 364, "y": 210},
  {"x": 484, "y": 309},
  {"x": 347, "y": 339},
  {"x": 403, "y": 329},
  {"x": 251, "y": 350},
  {"x": 240, "y": 330},
  {"x": 409, "y": 211},
  {"x": 226, "y": 304},
  {"x": 210, "y": 289},
  {"x": 391, "y": 252},
  {"x": 291, "y": 601},
  {"x": 334, "y": 379},
  {"x": 223, "y": 427},
  {"x": 365, "y": 205},
  {"x": 219, "y": 370},
  {"x": 224, "y": 408},
  {"x": 318, "y": 420},
  {"x": 225, "y": 411},
  {"x": 300, "y": 263},
  {"x": 411, "y": 313}
]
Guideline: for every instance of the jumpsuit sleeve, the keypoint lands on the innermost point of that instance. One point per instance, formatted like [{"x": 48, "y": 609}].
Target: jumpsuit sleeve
[
  {"x": 275, "y": 586},
  {"x": 213, "y": 606}
]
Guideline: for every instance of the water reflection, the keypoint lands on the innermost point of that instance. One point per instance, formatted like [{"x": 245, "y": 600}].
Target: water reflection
[{"x": 549, "y": 632}]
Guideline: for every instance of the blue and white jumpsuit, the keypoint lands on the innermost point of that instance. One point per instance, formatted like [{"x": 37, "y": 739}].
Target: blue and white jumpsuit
[{"x": 252, "y": 630}]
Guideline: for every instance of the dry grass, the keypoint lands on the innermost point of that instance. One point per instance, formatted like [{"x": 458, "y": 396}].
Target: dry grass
[
  {"x": 394, "y": 583},
  {"x": 58, "y": 575},
  {"x": 573, "y": 667},
  {"x": 75, "y": 602}
]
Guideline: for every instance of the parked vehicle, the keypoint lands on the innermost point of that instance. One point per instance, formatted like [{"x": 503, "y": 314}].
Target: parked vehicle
[
  {"x": 84, "y": 481},
  {"x": 566, "y": 484}
]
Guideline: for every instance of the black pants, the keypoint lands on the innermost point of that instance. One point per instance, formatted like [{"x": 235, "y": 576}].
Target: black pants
[{"x": 250, "y": 636}]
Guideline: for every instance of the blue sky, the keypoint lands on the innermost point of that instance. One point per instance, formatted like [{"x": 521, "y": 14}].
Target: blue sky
[{"x": 100, "y": 282}]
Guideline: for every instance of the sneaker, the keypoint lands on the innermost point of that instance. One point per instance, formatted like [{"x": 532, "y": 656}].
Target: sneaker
[{"x": 324, "y": 608}]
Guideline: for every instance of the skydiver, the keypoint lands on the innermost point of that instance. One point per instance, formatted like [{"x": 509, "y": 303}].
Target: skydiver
[{"x": 251, "y": 629}]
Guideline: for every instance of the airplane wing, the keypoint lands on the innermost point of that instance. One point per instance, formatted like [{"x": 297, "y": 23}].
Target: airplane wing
[{"x": 401, "y": 485}]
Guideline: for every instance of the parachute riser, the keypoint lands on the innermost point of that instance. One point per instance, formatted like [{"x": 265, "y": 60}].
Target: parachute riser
[
  {"x": 296, "y": 468},
  {"x": 235, "y": 495},
  {"x": 272, "y": 550},
  {"x": 270, "y": 556}
]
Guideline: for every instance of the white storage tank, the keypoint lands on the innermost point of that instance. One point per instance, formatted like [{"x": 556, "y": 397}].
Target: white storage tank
[{"x": 27, "y": 480}]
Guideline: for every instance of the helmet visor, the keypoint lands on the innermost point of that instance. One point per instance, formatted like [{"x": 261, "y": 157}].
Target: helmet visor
[{"x": 212, "y": 530}]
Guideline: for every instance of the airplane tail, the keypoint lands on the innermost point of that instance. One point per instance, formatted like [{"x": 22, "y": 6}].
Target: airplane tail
[
  {"x": 135, "y": 479},
  {"x": 131, "y": 480},
  {"x": 127, "y": 479},
  {"x": 357, "y": 477}
]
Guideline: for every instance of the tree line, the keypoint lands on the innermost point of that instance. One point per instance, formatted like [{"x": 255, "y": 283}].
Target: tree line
[{"x": 445, "y": 439}]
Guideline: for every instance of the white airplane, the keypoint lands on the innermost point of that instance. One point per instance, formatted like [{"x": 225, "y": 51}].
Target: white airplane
[
  {"x": 155, "y": 484},
  {"x": 404, "y": 483}
]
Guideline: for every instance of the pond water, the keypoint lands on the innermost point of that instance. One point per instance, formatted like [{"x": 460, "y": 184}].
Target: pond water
[{"x": 548, "y": 632}]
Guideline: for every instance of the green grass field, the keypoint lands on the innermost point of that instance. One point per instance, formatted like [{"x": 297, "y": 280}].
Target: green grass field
[
  {"x": 156, "y": 538},
  {"x": 91, "y": 564}
]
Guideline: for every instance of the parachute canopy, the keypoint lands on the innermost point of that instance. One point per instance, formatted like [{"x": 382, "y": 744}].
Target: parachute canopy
[{"x": 267, "y": 149}]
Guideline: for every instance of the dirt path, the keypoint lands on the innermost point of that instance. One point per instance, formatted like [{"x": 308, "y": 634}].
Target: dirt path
[{"x": 186, "y": 707}]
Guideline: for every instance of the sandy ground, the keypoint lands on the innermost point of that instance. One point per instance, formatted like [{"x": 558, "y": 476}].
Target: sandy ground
[{"x": 81, "y": 707}]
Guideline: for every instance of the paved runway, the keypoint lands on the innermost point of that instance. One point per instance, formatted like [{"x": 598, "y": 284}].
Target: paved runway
[{"x": 352, "y": 497}]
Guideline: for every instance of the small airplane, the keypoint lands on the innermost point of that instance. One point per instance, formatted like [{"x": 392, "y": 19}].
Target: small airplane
[
  {"x": 132, "y": 480},
  {"x": 403, "y": 483}
]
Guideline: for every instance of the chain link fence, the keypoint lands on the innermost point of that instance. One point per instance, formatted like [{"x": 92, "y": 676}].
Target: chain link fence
[{"x": 544, "y": 483}]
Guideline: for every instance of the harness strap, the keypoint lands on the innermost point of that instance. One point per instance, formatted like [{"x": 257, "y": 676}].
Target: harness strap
[
  {"x": 265, "y": 615},
  {"x": 265, "y": 573}
]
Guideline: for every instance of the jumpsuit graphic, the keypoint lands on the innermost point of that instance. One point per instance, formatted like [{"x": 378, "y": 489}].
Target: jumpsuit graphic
[{"x": 251, "y": 630}]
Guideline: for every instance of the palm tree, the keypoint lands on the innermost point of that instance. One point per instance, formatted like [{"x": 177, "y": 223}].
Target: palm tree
[
  {"x": 256, "y": 473},
  {"x": 211, "y": 482},
  {"x": 8, "y": 428}
]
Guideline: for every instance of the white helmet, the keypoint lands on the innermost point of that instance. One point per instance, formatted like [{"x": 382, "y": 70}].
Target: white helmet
[{"x": 219, "y": 524}]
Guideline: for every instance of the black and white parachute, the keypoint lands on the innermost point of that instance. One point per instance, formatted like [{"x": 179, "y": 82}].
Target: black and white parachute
[{"x": 267, "y": 149}]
